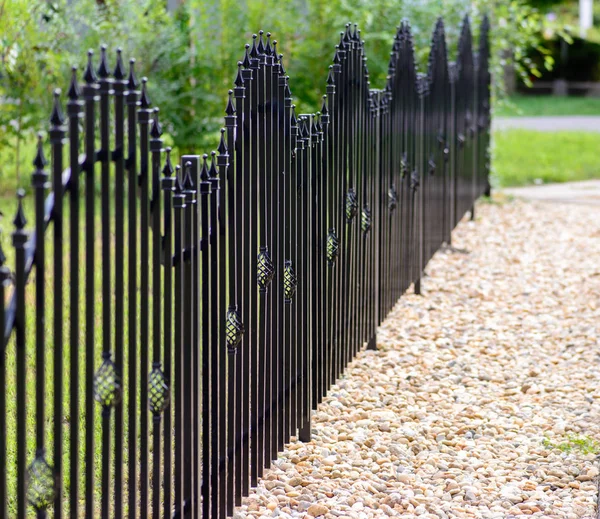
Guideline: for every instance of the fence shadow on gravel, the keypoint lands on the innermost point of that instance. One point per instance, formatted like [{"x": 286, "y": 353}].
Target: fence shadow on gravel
[{"x": 160, "y": 349}]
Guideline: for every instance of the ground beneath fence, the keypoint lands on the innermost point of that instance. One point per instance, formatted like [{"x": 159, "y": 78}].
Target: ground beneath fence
[{"x": 484, "y": 397}]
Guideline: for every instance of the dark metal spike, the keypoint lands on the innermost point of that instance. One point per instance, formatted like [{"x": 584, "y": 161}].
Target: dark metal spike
[
  {"x": 355, "y": 36},
  {"x": 239, "y": 80},
  {"x": 324, "y": 110},
  {"x": 73, "y": 92},
  {"x": 132, "y": 82},
  {"x": 294, "y": 119},
  {"x": 246, "y": 61},
  {"x": 281, "y": 67},
  {"x": 89, "y": 75},
  {"x": 222, "y": 149},
  {"x": 204, "y": 172},
  {"x": 168, "y": 170},
  {"x": 103, "y": 71},
  {"x": 119, "y": 73},
  {"x": 178, "y": 185},
  {"x": 260, "y": 48},
  {"x": 230, "y": 109},
  {"x": 254, "y": 49},
  {"x": 268, "y": 48},
  {"x": 330, "y": 78},
  {"x": 212, "y": 172},
  {"x": 56, "y": 117},
  {"x": 188, "y": 181},
  {"x": 20, "y": 221},
  {"x": 40, "y": 160},
  {"x": 156, "y": 129},
  {"x": 145, "y": 100},
  {"x": 286, "y": 91},
  {"x": 274, "y": 51},
  {"x": 336, "y": 57}
]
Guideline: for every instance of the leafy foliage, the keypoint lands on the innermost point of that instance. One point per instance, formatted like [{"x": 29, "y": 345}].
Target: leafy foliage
[{"x": 190, "y": 55}]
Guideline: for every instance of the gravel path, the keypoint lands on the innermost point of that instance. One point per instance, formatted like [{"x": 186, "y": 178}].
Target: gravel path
[
  {"x": 484, "y": 395},
  {"x": 549, "y": 123}
]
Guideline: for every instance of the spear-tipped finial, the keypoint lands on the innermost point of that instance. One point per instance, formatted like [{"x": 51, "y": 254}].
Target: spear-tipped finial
[
  {"x": 178, "y": 186},
  {"x": 132, "y": 82},
  {"x": 222, "y": 149},
  {"x": 213, "y": 165},
  {"x": 73, "y": 92},
  {"x": 355, "y": 33},
  {"x": 286, "y": 91},
  {"x": 324, "y": 109},
  {"x": 40, "y": 160},
  {"x": 89, "y": 75},
  {"x": 145, "y": 100},
  {"x": 239, "y": 80},
  {"x": 254, "y": 49},
  {"x": 188, "y": 181},
  {"x": 167, "y": 170},
  {"x": 330, "y": 78},
  {"x": 246, "y": 61},
  {"x": 268, "y": 47},
  {"x": 281, "y": 67},
  {"x": 274, "y": 51},
  {"x": 103, "y": 71},
  {"x": 20, "y": 221},
  {"x": 230, "y": 109},
  {"x": 294, "y": 120},
  {"x": 56, "y": 117},
  {"x": 261, "y": 45},
  {"x": 119, "y": 72},
  {"x": 156, "y": 129},
  {"x": 204, "y": 172}
]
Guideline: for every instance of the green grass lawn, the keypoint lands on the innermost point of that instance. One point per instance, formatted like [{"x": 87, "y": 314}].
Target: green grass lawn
[
  {"x": 522, "y": 157},
  {"x": 532, "y": 105}
]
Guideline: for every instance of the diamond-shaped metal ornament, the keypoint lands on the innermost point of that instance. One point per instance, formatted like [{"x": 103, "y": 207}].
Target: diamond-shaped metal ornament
[
  {"x": 333, "y": 245},
  {"x": 266, "y": 270},
  {"x": 41, "y": 483},
  {"x": 107, "y": 383},
  {"x": 234, "y": 329},
  {"x": 290, "y": 281},
  {"x": 365, "y": 220},
  {"x": 351, "y": 205},
  {"x": 158, "y": 391}
]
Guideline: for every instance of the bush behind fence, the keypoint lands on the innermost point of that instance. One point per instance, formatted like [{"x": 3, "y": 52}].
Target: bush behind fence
[{"x": 159, "y": 350}]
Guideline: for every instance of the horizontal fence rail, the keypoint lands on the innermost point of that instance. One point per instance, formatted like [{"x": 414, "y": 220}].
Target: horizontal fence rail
[{"x": 167, "y": 329}]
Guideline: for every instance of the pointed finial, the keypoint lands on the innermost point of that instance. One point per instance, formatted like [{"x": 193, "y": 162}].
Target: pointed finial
[
  {"x": 254, "y": 50},
  {"x": 213, "y": 167},
  {"x": 274, "y": 49},
  {"x": 56, "y": 117},
  {"x": 103, "y": 71},
  {"x": 294, "y": 120},
  {"x": 239, "y": 80},
  {"x": 324, "y": 109},
  {"x": 73, "y": 92},
  {"x": 156, "y": 129},
  {"x": 40, "y": 160},
  {"x": 261, "y": 46},
  {"x": 145, "y": 100},
  {"x": 230, "y": 109},
  {"x": 188, "y": 181},
  {"x": 330, "y": 78},
  {"x": 132, "y": 82},
  {"x": 286, "y": 91},
  {"x": 246, "y": 61},
  {"x": 89, "y": 75},
  {"x": 167, "y": 170},
  {"x": 281, "y": 67},
  {"x": 178, "y": 186},
  {"x": 268, "y": 48},
  {"x": 204, "y": 173},
  {"x": 355, "y": 36},
  {"x": 222, "y": 149},
  {"x": 20, "y": 221},
  {"x": 119, "y": 72}
]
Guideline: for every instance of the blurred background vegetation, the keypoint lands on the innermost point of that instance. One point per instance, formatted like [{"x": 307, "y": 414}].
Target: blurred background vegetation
[{"x": 190, "y": 52}]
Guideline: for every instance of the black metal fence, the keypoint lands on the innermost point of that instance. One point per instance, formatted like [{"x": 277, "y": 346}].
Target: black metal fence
[{"x": 175, "y": 339}]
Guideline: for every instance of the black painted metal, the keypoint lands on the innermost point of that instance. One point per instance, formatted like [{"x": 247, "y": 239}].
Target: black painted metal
[{"x": 241, "y": 285}]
